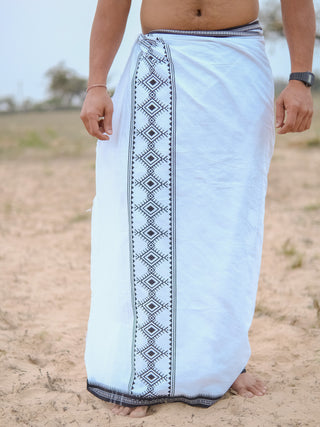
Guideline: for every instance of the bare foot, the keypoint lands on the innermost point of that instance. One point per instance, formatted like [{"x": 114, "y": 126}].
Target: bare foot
[
  {"x": 135, "y": 412},
  {"x": 248, "y": 386}
]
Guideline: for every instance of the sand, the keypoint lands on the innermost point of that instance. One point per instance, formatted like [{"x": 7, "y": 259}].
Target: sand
[{"x": 46, "y": 196}]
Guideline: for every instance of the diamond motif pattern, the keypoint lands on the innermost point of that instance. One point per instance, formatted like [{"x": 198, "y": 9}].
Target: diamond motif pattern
[
  {"x": 152, "y": 329},
  {"x": 151, "y": 159},
  {"x": 151, "y": 183},
  {"x": 151, "y": 281},
  {"x": 151, "y": 377},
  {"x": 152, "y": 107},
  {"x": 152, "y": 133},
  {"x": 152, "y": 353},
  {"x": 151, "y": 208},
  {"x": 152, "y": 82},
  {"x": 151, "y": 233},
  {"x": 151, "y": 257},
  {"x": 152, "y": 305},
  {"x": 152, "y": 220}
]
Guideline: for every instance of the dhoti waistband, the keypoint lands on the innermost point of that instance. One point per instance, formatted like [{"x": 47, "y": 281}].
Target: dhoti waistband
[{"x": 251, "y": 29}]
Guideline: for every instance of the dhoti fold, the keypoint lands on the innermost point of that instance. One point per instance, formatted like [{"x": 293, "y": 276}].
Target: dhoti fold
[{"x": 177, "y": 218}]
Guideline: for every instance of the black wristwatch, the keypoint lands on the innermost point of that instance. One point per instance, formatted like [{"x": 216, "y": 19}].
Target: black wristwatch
[{"x": 307, "y": 78}]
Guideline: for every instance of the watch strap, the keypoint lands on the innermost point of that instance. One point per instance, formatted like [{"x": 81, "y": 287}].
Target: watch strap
[{"x": 306, "y": 77}]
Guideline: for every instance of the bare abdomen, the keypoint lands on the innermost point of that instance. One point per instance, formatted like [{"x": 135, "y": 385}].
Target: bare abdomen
[{"x": 197, "y": 14}]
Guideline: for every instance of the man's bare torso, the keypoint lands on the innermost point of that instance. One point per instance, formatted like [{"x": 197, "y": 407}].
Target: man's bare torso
[{"x": 197, "y": 14}]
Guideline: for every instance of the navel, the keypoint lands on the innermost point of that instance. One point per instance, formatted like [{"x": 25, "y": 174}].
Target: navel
[{"x": 198, "y": 13}]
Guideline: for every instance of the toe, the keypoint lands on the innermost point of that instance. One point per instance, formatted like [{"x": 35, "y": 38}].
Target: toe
[
  {"x": 260, "y": 387},
  {"x": 256, "y": 391},
  {"x": 248, "y": 394},
  {"x": 260, "y": 390},
  {"x": 244, "y": 392},
  {"x": 259, "y": 384},
  {"x": 139, "y": 412},
  {"x": 116, "y": 409},
  {"x": 125, "y": 410}
]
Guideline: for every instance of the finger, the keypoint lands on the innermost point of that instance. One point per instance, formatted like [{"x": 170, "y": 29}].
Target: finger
[
  {"x": 107, "y": 122},
  {"x": 290, "y": 122},
  {"x": 306, "y": 121},
  {"x": 94, "y": 130},
  {"x": 304, "y": 124},
  {"x": 280, "y": 113},
  {"x": 301, "y": 122},
  {"x": 84, "y": 120},
  {"x": 309, "y": 123},
  {"x": 86, "y": 124},
  {"x": 102, "y": 128},
  {"x": 101, "y": 125}
]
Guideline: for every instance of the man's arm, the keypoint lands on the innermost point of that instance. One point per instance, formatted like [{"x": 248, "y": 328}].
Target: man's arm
[
  {"x": 299, "y": 27},
  {"x": 106, "y": 35}
]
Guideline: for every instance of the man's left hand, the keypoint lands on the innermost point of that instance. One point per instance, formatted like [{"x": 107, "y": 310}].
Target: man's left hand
[{"x": 296, "y": 101}]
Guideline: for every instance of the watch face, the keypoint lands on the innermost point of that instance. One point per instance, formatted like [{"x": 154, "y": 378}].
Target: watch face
[{"x": 310, "y": 79}]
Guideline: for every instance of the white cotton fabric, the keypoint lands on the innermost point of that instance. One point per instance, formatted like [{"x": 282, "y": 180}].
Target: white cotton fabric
[{"x": 224, "y": 140}]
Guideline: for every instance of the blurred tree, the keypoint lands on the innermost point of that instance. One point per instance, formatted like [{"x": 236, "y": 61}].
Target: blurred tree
[
  {"x": 66, "y": 87},
  {"x": 8, "y": 104},
  {"x": 27, "y": 105}
]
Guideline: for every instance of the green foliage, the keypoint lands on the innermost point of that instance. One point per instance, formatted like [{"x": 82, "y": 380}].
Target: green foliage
[
  {"x": 314, "y": 142},
  {"x": 51, "y": 133},
  {"x": 32, "y": 139},
  {"x": 313, "y": 207},
  {"x": 297, "y": 261},
  {"x": 288, "y": 248},
  {"x": 44, "y": 135}
]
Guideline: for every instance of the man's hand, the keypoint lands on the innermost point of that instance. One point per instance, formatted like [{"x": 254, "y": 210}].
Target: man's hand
[
  {"x": 296, "y": 101},
  {"x": 96, "y": 113}
]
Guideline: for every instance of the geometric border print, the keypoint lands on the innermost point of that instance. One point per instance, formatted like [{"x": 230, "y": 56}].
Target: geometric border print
[{"x": 151, "y": 201}]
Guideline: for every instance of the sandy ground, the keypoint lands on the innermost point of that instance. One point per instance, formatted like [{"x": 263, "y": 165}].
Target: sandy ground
[{"x": 45, "y": 289}]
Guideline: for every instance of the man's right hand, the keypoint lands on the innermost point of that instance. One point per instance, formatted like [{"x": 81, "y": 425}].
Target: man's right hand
[{"x": 96, "y": 113}]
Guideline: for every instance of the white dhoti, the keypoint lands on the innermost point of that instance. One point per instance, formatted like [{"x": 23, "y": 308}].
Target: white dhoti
[{"x": 177, "y": 219}]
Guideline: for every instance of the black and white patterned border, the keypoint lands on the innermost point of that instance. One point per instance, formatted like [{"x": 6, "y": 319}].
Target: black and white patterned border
[
  {"x": 126, "y": 399},
  {"x": 151, "y": 201}
]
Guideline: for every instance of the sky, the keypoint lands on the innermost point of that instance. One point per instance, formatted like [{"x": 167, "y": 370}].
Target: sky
[{"x": 37, "y": 34}]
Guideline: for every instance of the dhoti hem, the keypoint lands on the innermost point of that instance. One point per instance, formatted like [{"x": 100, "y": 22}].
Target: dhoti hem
[
  {"x": 178, "y": 216},
  {"x": 126, "y": 399}
]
